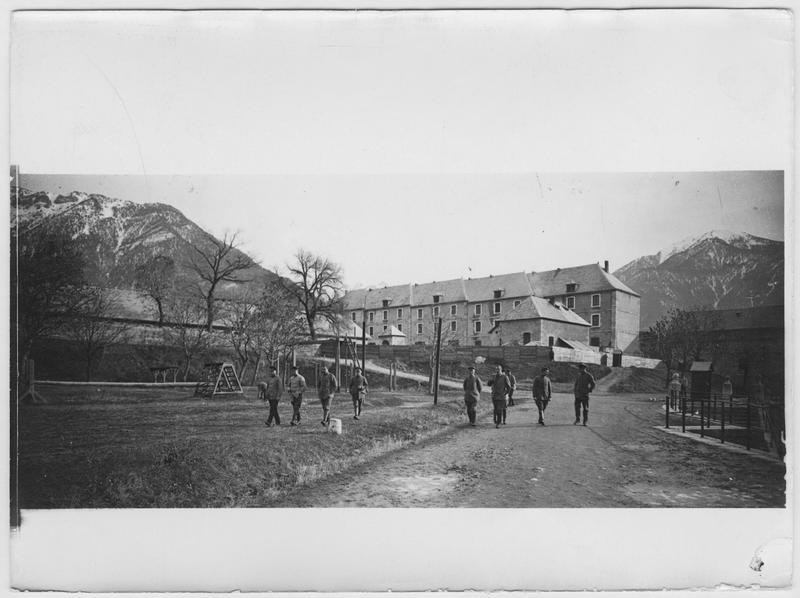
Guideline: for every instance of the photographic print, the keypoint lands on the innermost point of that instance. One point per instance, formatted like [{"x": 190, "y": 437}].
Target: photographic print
[{"x": 288, "y": 267}]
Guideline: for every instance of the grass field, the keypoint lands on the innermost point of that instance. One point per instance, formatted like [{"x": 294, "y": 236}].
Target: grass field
[{"x": 94, "y": 447}]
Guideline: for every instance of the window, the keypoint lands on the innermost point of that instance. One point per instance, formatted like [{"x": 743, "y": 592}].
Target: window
[
  {"x": 594, "y": 341},
  {"x": 385, "y": 303},
  {"x": 572, "y": 287},
  {"x": 419, "y": 314},
  {"x": 477, "y": 343},
  {"x": 595, "y": 320},
  {"x": 497, "y": 307},
  {"x": 400, "y": 327},
  {"x": 419, "y": 328},
  {"x": 478, "y": 327},
  {"x": 371, "y": 331},
  {"x": 385, "y": 314},
  {"x": 385, "y": 328},
  {"x": 517, "y": 302},
  {"x": 353, "y": 316},
  {"x": 453, "y": 326},
  {"x": 399, "y": 313},
  {"x": 526, "y": 338},
  {"x": 478, "y": 309},
  {"x": 498, "y": 294},
  {"x": 372, "y": 316},
  {"x": 596, "y": 300},
  {"x": 570, "y": 302},
  {"x": 551, "y": 341},
  {"x": 435, "y": 311},
  {"x": 436, "y": 298},
  {"x": 453, "y": 310}
]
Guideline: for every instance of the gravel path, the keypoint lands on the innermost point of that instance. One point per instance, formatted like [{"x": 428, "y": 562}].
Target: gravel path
[{"x": 619, "y": 460}]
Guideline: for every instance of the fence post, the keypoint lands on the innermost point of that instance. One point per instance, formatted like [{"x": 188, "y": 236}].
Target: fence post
[
  {"x": 748, "y": 424},
  {"x": 683, "y": 418},
  {"x": 666, "y": 410},
  {"x": 722, "y": 424},
  {"x": 702, "y": 419},
  {"x": 730, "y": 410}
]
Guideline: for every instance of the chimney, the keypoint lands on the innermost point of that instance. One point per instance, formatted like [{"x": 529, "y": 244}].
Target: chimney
[{"x": 605, "y": 265}]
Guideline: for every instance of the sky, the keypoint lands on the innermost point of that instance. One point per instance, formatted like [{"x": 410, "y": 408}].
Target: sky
[
  {"x": 390, "y": 229},
  {"x": 418, "y": 146}
]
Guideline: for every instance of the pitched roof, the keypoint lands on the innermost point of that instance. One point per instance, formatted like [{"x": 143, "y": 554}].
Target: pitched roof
[
  {"x": 512, "y": 285},
  {"x": 346, "y": 328},
  {"x": 393, "y": 331},
  {"x": 744, "y": 318},
  {"x": 589, "y": 278},
  {"x": 397, "y": 295},
  {"x": 533, "y": 308},
  {"x": 577, "y": 345},
  {"x": 701, "y": 366},
  {"x": 450, "y": 290}
]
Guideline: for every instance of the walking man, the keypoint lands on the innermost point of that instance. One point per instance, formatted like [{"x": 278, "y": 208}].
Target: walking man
[
  {"x": 542, "y": 392},
  {"x": 584, "y": 384},
  {"x": 500, "y": 387},
  {"x": 472, "y": 393},
  {"x": 513, "y": 381},
  {"x": 358, "y": 391},
  {"x": 271, "y": 391},
  {"x": 297, "y": 386},
  {"x": 326, "y": 390}
]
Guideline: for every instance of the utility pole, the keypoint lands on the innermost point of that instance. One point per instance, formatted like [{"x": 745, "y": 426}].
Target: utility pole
[
  {"x": 436, "y": 362},
  {"x": 363, "y": 345}
]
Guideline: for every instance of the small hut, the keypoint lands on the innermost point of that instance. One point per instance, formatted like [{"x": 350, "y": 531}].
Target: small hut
[{"x": 700, "y": 379}]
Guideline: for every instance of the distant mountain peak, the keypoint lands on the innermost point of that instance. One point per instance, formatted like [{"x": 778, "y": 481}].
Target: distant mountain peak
[
  {"x": 718, "y": 269},
  {"x": 739, "y": 239}
]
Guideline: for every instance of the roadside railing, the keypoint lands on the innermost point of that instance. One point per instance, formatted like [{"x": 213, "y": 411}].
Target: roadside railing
[{"x": 753, "y": 423}]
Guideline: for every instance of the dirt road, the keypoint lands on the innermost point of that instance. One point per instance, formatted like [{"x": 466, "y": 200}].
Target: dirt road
[{"x": 619, "y": 460}]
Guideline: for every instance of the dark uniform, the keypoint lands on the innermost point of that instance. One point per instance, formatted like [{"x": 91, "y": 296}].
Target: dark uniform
[
  {"x": 542, "y": 391},
  {"x": 513, "y": 381},
  {"x": 325, "y": 392},
  {"x": 584, "y": 384},
  {"x": 297, "y": 386},
  {"x": 358, "y": 391},
  {"x": 472, "y": 393},
  {"x": 271, "y": 391},
  {"x": 500, "y": 386}
]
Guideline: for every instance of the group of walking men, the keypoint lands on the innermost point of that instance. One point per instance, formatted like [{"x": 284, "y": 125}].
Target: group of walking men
[
  {"x": 503, "y": 384},
  {"x": 272, "y": 390}
]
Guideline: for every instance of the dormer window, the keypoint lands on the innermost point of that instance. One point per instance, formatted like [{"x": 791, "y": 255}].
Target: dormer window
[
  {"x": 498, "y": 293},
  {"x": 437, "y": 298},
  {"x": 386, "y": 302},
  {"x": 572, "y": 287}
]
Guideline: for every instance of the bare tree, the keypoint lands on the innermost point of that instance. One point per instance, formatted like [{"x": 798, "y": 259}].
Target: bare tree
[
  {"x": 187, "y": 330},
  {"x": 96, "y": 326},
  {"x": 681, "y": 336},
  {"x": 156, "y": 280},
  {"x": 316, "y": 283},
  {"x": 279, "y": 323},
  {"x": 47, "y": 278},
  {"x": 242, "y": 319},
  {"x": 217, "y": 262}
]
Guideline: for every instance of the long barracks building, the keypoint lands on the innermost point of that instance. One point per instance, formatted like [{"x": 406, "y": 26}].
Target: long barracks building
[{"x": 590, "y": 304}]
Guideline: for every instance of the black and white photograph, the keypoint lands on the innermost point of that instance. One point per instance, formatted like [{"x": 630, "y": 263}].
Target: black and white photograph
[{"x": 399, "y": 284}]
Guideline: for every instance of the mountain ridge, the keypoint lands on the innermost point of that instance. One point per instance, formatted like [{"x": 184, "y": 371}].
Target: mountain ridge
[{"x": 716, "y": 270}]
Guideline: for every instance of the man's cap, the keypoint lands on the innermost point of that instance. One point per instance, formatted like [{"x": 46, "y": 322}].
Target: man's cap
[
  {"x": 545, "y": 369},
  {"x": 472, "y": 367},
  {"x": 295, "y": 367}
]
